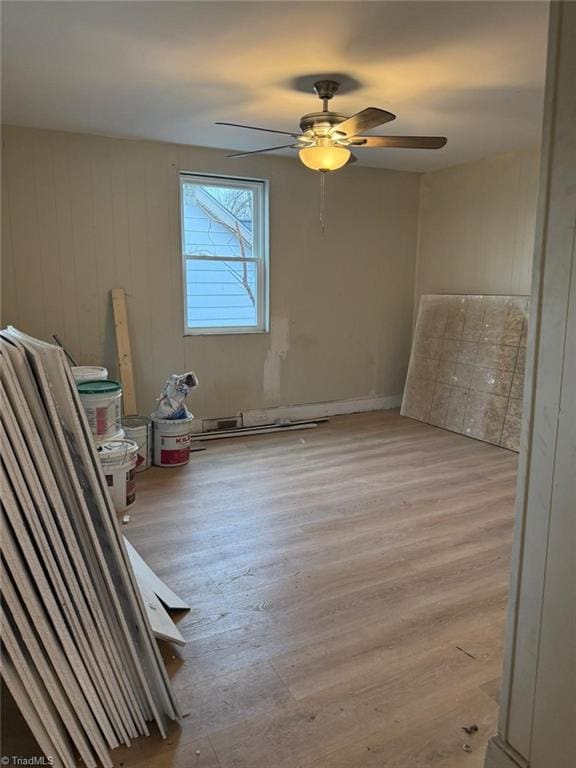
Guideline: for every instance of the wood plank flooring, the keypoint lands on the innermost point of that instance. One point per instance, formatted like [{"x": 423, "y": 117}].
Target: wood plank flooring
[
  {"x": 335, "y": 574},
  {"x": 348, "y": 587}
]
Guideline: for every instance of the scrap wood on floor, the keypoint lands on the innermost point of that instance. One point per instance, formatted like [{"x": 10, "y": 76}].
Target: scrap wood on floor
[{"x": 157, "y": 597}]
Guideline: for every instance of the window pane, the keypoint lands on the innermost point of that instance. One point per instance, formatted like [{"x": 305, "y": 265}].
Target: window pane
[
  {"x": 217, "y": 220},
  {"x": 221, "y": 293},
  {"x": 224, "y": 247}
]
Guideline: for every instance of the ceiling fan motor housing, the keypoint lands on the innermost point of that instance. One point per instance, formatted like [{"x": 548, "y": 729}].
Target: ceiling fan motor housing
[{"x": 320, "y": 122}]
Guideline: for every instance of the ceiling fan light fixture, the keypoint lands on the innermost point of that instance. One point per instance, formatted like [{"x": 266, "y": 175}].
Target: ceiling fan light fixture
[{"x": 324, "y": 158}]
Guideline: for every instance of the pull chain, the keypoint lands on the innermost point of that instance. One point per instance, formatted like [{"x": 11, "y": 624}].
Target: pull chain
[{"x": 323, "y": 200}]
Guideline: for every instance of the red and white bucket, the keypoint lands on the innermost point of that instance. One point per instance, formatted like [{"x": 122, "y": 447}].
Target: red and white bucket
[
  {"x": 172, "y": 441},
  {"x": 118, "y": 459}
]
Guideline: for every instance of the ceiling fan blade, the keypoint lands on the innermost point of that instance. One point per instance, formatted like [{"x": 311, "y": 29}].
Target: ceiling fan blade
[
  {"x": 400, "y": 142},
  {"x": 258, "y": 151},
  {"x": 363, "y": 121},
  {"x": 353, "y": 159},
  {"x": 255, "y": 128}
]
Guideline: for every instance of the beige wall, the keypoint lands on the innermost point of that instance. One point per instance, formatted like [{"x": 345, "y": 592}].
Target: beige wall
[
  {"x": 83, "y": 214},
  {"x": 477, "y": 226}
]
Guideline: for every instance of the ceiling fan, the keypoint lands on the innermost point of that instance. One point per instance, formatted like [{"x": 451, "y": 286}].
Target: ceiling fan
[{"x": 327, "y": 138}]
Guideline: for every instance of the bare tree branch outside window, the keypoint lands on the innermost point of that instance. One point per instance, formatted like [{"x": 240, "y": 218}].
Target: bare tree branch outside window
[{"x": 239, "y": 203}]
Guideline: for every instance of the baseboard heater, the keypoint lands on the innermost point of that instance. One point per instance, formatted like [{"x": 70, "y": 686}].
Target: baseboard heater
[{"x": 216, "y": 432}]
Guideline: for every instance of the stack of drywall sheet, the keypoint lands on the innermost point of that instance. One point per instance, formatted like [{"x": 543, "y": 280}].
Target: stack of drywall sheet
[{"x": 79, "y": 656}]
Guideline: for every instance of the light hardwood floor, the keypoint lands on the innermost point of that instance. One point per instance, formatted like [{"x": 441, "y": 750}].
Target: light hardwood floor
[
  {"x": 334, "y": 575},
  {"x": 348, "y": 587}
]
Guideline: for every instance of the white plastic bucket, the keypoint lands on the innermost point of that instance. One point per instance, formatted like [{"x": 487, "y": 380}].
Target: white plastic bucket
[
  {"x": 102, "y": 403},
  {"x": 118, "y": 459},
  {"x": 171, "y": 441},
  {"x": 88, "y": 372},
  {"x": 139, "y": 429}
]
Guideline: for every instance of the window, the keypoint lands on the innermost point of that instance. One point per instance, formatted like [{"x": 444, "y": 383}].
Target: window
[{"x": 225, "y": 254}]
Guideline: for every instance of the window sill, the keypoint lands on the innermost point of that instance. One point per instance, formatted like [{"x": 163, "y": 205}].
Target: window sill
[{"x": 226, "y": 332}]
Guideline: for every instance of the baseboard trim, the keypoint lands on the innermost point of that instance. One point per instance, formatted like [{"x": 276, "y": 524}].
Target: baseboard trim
[
  {"x": 260, "y": 416},
  {"x": 500, "y": 755}
]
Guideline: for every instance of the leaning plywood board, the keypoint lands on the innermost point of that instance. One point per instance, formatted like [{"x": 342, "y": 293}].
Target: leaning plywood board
[
  {"x": 46, "y": 538},
  {"x": 68, "y": 442},
  {"x": 66, "y": 413},
  {"x": 46, "y": 668},
  {"x": 42, "y": 702},
  {"x": 55, "y": 637},
  {"x": 78, "y": 504},
  {"x": 466, "y": 370},
  {"x": 39, "y": 727},
  {"x": 124, "y": 351},
  {"x": 38, "y": 441},
  {"x": 163, "y": 688},
  {"x": 22, "y": 512},
  {"x": 145, "y": 574},
  {"x": 82, "y": 700},
  {"x": 74, "y": 595},
  {"x": 156, "y": 673}
]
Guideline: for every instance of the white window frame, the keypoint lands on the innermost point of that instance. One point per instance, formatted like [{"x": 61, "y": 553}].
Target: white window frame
[{"x": 260, "y": 250}]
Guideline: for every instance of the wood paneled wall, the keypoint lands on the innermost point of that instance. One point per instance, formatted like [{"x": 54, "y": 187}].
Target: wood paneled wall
[
  {"x": 477, "y": 223},
  {"x": 83, "y": 214}
]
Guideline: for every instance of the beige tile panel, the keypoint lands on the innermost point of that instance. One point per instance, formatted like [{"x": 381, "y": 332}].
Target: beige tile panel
[
  {"x": 418, "y": 396},
  {"x": 511, "y": 430},
  {"x": 462, "y": 374},
  {"x": 521, "y": 359},
  {"x": 491, "y": 380},
  {"x": 517, "y": 388},
  {"x": 432, "y": 323},
  {"x": 448, "y": 407},
  {"x": 457, "y": 409},
  {"x": 455, "y": 320},
  {"x": 439, "y": 409},
  {"x": 449, "y": 350},
  {"x": 524, "y": 334},
  {"x": 445, "y": 371},
  {"x": 497, "y": 356},
  {"x": 468, "y": 351},
  {"x": 474, "y": 318},
  {"x": 485, "y": 415},
  {"x": 423, "y": 368},
  {"x": 466, "y": 372},
  {"x": 427, "y": 347}
]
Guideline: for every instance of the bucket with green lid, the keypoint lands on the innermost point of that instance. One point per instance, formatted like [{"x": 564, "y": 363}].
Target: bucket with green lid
[{"x": 102, "y": 401}]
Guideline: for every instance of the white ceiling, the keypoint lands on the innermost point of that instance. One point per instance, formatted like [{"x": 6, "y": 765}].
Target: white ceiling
[{"x": 472, "y": 71}]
